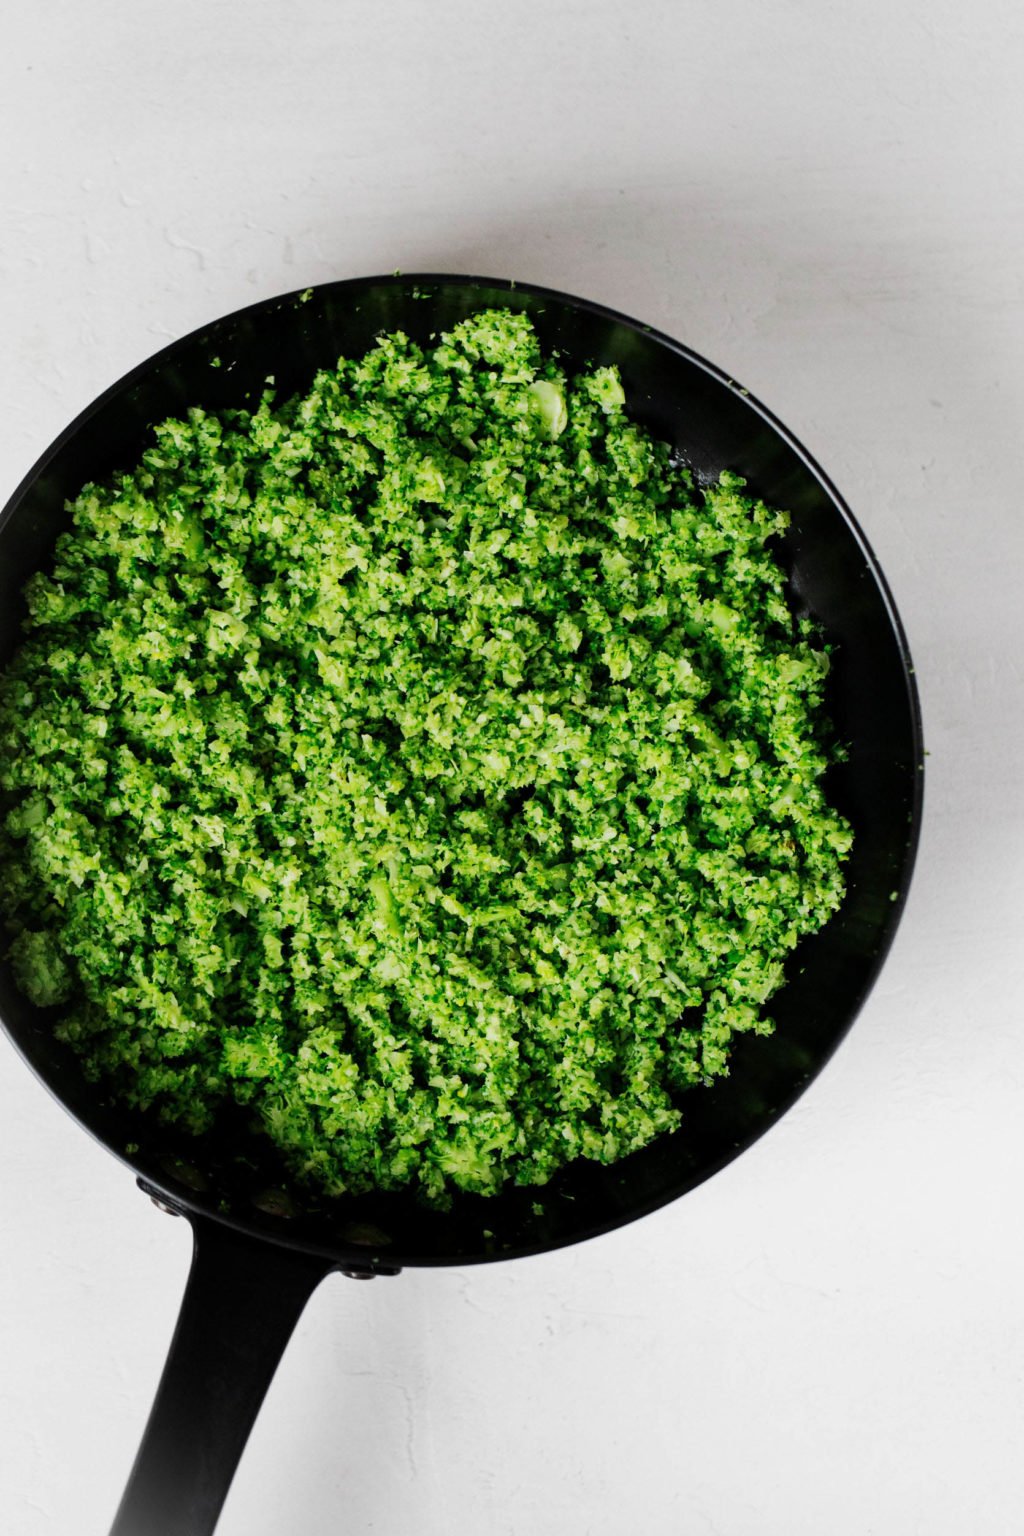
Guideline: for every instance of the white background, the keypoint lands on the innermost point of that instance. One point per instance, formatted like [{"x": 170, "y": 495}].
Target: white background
[{"x": 826, "y": 200}]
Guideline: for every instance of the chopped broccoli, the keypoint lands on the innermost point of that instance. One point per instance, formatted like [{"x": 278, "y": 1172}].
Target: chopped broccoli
[
  {"x": 39, "y": 968},
  {"x": 424, "y": 762}
]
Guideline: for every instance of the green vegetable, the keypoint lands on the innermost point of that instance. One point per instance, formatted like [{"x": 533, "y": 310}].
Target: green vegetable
[{"x": 426, "y": 763}]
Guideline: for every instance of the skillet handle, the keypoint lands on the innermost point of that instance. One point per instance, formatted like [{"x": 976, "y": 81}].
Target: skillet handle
[{"x": 241, "y": 1304}]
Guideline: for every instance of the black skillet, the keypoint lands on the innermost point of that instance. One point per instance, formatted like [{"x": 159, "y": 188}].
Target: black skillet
[{"x": 262, "y": 1246}]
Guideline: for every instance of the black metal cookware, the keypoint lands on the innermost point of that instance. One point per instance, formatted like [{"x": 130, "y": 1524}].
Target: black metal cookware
[{"x": 261, "y": 1246}]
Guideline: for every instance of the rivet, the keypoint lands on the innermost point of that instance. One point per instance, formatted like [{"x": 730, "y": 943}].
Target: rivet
[{"x": 162, "y": 1205}]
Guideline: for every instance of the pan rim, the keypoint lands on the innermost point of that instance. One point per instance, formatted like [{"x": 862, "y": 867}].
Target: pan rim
[{"x": 187, "y": 1203}]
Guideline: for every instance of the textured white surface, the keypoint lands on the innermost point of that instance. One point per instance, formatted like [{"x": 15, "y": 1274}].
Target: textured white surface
[{"x": 827, "y": 201}]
